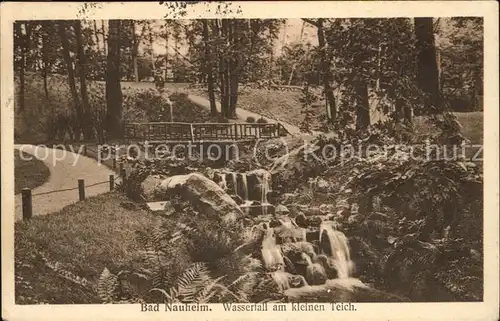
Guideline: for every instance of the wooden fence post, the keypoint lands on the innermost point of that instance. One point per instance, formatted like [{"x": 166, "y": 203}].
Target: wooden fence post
[
  {"x": 27, "y": 204},
  {"x": 111, "y": 182},
  {"x": 114, "y": 162},
  {"x": 81, "y": 189},
  {"x": 84, "y": 150}
]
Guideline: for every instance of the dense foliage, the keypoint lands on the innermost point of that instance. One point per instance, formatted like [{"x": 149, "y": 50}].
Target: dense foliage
[{"x": 414, "y": 223}]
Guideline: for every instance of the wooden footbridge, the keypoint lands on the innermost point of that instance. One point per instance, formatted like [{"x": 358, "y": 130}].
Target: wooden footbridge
[{"x": 177, "y": 132}]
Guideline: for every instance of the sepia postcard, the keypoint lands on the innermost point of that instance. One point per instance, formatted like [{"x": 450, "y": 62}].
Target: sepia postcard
[{"x": 250, "y": 160}]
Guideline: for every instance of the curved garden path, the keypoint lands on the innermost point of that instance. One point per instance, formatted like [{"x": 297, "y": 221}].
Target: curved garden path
[
  {"x": 65, "y": 169},
  {"x": 243, "y": 114}
]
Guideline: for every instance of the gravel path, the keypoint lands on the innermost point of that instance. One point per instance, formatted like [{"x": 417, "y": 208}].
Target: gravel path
[
  {"x": 65, "y": 170},
  {"x": 243, "y": 114}
]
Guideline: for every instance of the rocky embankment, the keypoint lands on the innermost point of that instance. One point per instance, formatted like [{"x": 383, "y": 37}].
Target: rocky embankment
[{"x": 306, "y": 258}]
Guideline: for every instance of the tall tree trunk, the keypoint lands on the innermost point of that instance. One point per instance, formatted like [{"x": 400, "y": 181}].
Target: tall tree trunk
[
  {"x": 135, "y": 49},
  {"x": 271, "y": 61},
  {"x": 477, "y": 94},
  {"x": 96, "y": 35},
  {"x": 71, "y": 77},
  {"x": 427, "y": 67},
  {"x": 326, "y": 70},
  {"x": 81, "y": 64},
  {"x": 29, "y": 58},
  {"x": 113, "y": 88},
  {"x": 283, "y": 42},
  {"x": 208, "y": 69},
  {"x": 167, "y": 36},
  {"x": 22, "y": 63},
  {"x": 222, "y": 72},
  {"x": 45, "y": 60},
  {"x": 362, "y": 105},
  {"x": 233, "y": 73},
  {"x": 104, "y": 37}
]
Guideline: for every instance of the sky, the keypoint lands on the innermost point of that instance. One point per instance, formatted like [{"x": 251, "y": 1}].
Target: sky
[{"x": 290, "y": 32}]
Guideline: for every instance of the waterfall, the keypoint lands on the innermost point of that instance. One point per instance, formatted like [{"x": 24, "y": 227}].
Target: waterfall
[
  {"x": 334, "y": 244},
  {"x": 315, "y": 273},
  {"x": 271, "y": 252},
  {"x": 245, "y": 186},
  {"x": 266, "y": 177},
  {"x": 235, "y": 182},
  {"x": 281, "y": 279}
]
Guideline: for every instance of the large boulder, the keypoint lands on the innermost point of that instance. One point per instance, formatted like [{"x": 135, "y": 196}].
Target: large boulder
[
  {"x": 294, "y": 168},
  {"x": 149, "y": 186},
  {"x": 204, "y": 194}
]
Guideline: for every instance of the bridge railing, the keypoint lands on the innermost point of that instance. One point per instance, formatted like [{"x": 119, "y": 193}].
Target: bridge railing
[{"x": 177, "y": 131}]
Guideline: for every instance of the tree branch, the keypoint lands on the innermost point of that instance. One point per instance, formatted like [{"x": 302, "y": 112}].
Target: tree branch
[{"x": 312, "y": 22}]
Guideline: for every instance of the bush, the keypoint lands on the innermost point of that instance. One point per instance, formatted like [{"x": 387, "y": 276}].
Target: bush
[
  {"x": 262, "y": 121},
  {"x": 250, "y": 119},
  {"x": 412, "y": 214}
]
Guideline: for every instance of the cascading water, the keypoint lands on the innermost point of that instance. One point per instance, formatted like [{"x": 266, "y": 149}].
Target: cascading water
[
  {"x": 315, "y": 272},
  {"x": 266, "y": 177},
  {"x": 234, "y": 177},
  {"x": 245, "y": 186},
  {"x": 334, "y": 244},
  {"x": 271, "y": 252},
  {"x": 282, "y": 279}
]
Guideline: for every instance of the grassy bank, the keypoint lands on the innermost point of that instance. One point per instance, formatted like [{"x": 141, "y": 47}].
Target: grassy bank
[
  {"x": 81, "y": 239},
  {"x": 28, "y": 173},
  {"x": 286, "y": 106}
]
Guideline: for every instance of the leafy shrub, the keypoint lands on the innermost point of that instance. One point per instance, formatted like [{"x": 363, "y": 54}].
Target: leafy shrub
[
  {"x": 415, "y": 220},
  {"x": 262, "y": 121},
  {"x": 188, "y": 259},
  {"x": 250, "y": 119}
]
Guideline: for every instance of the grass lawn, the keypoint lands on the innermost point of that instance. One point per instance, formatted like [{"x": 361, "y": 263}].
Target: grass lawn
[
  {"x": 280, "y": 105},
  {"x": 28, "y": 173},
  {"x": 83, "y": 238},
  {"x": 472, "y": 126}
]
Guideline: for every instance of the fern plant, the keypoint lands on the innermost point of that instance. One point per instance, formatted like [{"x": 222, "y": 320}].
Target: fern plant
[
  {"x": 107, "y": 286},
  {"x": 194, "y": 285}
]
